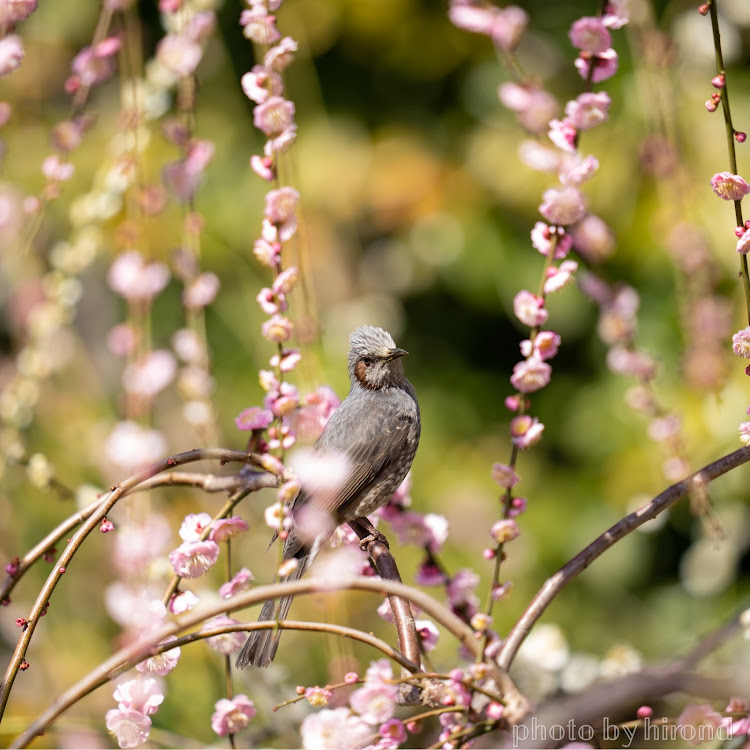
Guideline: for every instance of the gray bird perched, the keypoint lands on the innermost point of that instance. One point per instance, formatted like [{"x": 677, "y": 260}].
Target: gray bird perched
[{"x": 376, "y": 429}]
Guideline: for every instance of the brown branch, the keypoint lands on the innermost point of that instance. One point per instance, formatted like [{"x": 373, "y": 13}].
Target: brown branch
[
  {"x": 108, "y": 501},
  {"x": 385, "y": 565},
  {"x": 150, "y": 643},
  {"x": 206, "y": 482},
  {"x": 617, "y": 701},
  {"x": 622, "y": 528}
]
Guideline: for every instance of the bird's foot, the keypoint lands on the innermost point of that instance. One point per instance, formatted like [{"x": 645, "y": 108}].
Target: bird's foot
[{"x": 373, "y": 536}]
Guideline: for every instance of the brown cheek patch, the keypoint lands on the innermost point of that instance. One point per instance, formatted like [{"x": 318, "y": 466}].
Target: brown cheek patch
[{"x": 360, "y": 370}]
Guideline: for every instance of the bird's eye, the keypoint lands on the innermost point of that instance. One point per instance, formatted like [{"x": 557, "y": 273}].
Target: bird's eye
[{"x": 366, "y": 361}]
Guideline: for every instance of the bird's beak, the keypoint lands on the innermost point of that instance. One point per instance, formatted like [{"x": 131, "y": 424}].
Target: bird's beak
[{"x": 395, "y": 354}]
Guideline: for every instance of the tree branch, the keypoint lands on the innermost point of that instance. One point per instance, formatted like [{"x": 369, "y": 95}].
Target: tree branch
[
  {"x": 622, "y": 528},
  {"x": 109, "y": 500}
]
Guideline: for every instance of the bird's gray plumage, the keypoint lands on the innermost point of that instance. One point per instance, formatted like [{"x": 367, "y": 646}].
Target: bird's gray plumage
[{"x": 377, "y": 428}]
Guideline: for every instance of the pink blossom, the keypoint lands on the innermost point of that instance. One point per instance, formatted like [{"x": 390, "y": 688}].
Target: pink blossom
[
  {"x": 531, "y": 375},
  {"x": 428, "y": 634},
  {"x": 267, "y": 253},
  {"x": 593, "y": 238},
  {"x": 274, "y": 115},
  {"x": 92, "y": 67},
  {"x": 460, "y": 591},
  {"x": 277, "y": 517},
  {"x": 562, "y": 205},
  {"x": 193, "y": 526},
  {"x": 15, "y": 11},
  {"x": 225, "y": 643},
  {"x": 505, "y": 475},
  {"x": 590, "y": 34},
  {"x": 142, "y": 694},
  {"x": 122, "y": 339},
  {"x": 317, "y": 696},
  {"x": 285, "y": 282},
  {"x": 240, "y": 582},
  {"x": 227, "y": 528},
  {"x": 131, "y": 446},
  {"x": 134, "y": 279},
  {"x": 287, "y": 361},
  {"x": 534, "y": 107},
  {"x": 11, "y": 54},
  {"x": 193, "y": 559},
  {"x": 55, "y": 169},
  {"x": 201, "y": 291},
  {"x": 504, "y": 25},
  {"x": 698, "y": 723},
  {"x": 280, "y": 210},
  {"x": 394, "y": 731},
  {"x": 281, "y": 143},
  {"x": 182, "y": 601},
  {"x": 429, "y": 574},
  {"x": 588, "y": 109},
  {"x": 744, "y": 429},
  {"x": 741, "y": 343},
  {"x": 131, "y": 728},
  {"x": 730, "y": 187},
  {"x": 277, "y": 328},
  {"x": 309, "y": 421},
  {"x": 428, "y": 530},
  {"x": 150, "y": 374},
  {"x": 576, "y": 169},
  {"x": 263, "y": 167},
  {"x": 232, "y": 715},
  {"x": 260, "y": 83},
  {"x": 544, "y": 345},
  {"x": 542, "y": 237},
  {"x": 559, "y": 277},
  {"x": 563, "y": 134},
  {"x": 743, "y": 243},
  {"x": 183, "y": 176},
  {"x": 541, "y": 158},
  {"x": 624, "y": 361},
  {"x": 179, "y": 54},
  {"x": 375, "y": 701},
  {"x": 505, "y": 530},
  {"x": 605, "y": 65},
  {"x": 525, "y": 431},
  {"x": 163, "y": 663},
  {"x": 283, "y": 401},
  {"x": 253, "y": 418},
  {"x": 509, "y": 25},
  {"x": 616, "y": 14},
  {"x": 200, "y": 25},
  {"x": 529, "y": 308},
  {"x": 332, "y": 729},
  {"x": 280, "y": 56},
  {"x": 259, "y": 26}
]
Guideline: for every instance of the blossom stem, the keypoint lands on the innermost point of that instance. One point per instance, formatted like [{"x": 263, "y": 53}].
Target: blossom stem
[{"x": 729, "y": 128}]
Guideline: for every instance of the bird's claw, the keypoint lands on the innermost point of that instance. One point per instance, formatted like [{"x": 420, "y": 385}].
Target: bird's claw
[{"x": 375, "y": 536}]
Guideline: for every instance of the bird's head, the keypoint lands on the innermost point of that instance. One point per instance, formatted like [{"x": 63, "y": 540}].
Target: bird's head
[{"x": 374, "y": 358}]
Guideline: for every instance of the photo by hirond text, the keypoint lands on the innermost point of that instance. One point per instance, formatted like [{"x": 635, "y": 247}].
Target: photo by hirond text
[{"x": 647, "y": 733}]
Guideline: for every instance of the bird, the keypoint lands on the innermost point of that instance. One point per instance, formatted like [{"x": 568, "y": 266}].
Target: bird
[{"x": 376, "y": 429}]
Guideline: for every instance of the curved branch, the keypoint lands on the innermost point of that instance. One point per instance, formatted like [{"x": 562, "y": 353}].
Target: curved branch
[
  {"x": 206, "y": 482},
  {"x": 622, "y": 528},
  {"x": 152, "y": 643},
  {"x": 107, "y": 502}
]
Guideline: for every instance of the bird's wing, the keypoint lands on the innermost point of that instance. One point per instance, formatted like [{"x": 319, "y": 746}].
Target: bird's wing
[{"x": 370, "y": 438}]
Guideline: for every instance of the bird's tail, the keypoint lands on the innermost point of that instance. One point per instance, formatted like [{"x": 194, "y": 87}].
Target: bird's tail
[{"x": 260, "y": 646}]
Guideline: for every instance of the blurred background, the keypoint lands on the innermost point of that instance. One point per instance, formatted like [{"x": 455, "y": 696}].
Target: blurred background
[{"x": 415, "y": 216}]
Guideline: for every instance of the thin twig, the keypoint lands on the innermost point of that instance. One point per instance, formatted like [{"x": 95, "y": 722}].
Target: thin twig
[
  {"x": 150, "y": 644},
  {"x": 622, "y": 528},
  {"x": 108, "y": 501}
]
